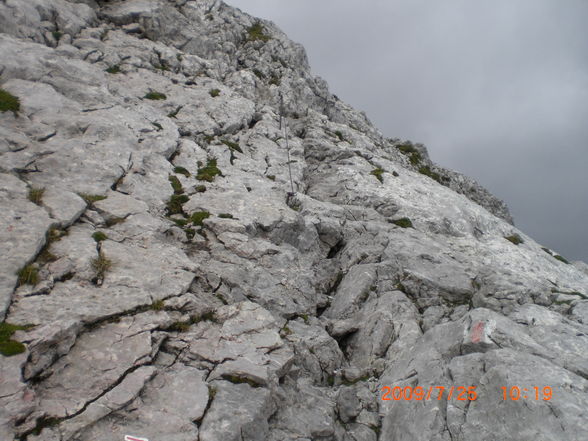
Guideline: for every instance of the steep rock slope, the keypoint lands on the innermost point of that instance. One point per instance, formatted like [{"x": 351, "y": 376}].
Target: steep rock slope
[{"x": 166, "y": 281}]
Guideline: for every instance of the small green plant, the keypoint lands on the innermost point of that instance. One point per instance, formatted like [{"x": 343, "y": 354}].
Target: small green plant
[
  {"x": 164, "y": 67},
  {"x": 285, "y": 331},
  {"x": 275, "y": 80},
  {"x": 190, "y": 233},
  {"x": 182, "y": 171},
  {"x": 415, "y": 158},
  {"x": 209, "y": 172},
  {"x": 175, "y": 203},
  {"x": 403, "y": 222},
  {"x": 158, "y": 305},
  {"x": 36, "y": 195},
  {"x": 91, "y": 198},
  {"x": 198, "y": 217},
  {"x": 176, "y": 184},
  {"x": 426, "y": 170},
  {"x": 200, "y": 188},
  {"x": 99, "y": 236},
  {"x": 155, "y": 96},
  {"x": 236, "y": 379},
  {"x": 514, "y": 238},
  {"x": 409, "y": 149},
  {"x": 547, "y": 250},
  {"x": 179, "y": 327},
  {"x": 115, "y": 69},
  {"x": 256, "y": 32},
  {"x": 378, "y": 172},
  {"x": 158, "y": 126},
  {"x": 9, "y": 102},
  {"x": 114, "y": 220},
  {"x": 339, "y": 135},
  {"x": 232, "y": 145},
  {"x": 57, "y": 35},
  {"x": 209, "y": 316},
  {"x": 175, "y": 112},
  {"x": 209, "y": 138},
  {"x": 181, "y": 222},
  {"x": 561, "y": 259},
  {"x": 53, "y": 235},
  {"x": 259, "y": 74},
  {"x": 271, "y": 177},
  {"x": 214, "y": 92},
  {"x": 29, "y": 275},
  {"x": 226, "y": 216},
  {"x": 101, "y": 265},
  {"x": 10, "y": 347}
]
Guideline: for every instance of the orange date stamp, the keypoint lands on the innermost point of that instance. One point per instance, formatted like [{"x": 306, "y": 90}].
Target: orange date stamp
[{"x": 461, "y": 393}]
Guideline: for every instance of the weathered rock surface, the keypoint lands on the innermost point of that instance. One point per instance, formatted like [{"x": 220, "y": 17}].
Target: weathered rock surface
[{"x": 190, "y": 273}]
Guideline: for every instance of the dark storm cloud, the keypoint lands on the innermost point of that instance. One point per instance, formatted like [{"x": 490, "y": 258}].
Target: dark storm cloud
[{"x": 497, "y": 90}]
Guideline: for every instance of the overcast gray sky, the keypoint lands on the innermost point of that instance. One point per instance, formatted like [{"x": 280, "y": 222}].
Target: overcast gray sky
[{"x": 497, "y": 90}]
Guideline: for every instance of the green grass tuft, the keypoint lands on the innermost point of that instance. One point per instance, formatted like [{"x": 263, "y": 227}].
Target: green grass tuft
[
  {"x": 158, "y": 305},
  {"x": 113, "y": 69},
  {"x": 99, "y": 236},
  {"x": 561, "y": 259},
  {"x": 175, "y": 203},
  {"x": 426, "y": 170},
  {"x": 410, "y": 150},
  {"x": 176, "y": 184},
  {"x": 232, "y": 145},
  {"x": 198, "y": 217},
  {"x": 226, "y": 216},
  {"x": 259, "y": 74},
  {"x": 181, "y": 222},
  {"x": 214, "y": 92},
  {"x": 209, "y": 172},
  {"x": 9, "y": 102},
  {"x": 101, "y": 265},
  {"x": 182, "y": 171},
  {"x": 339, "y": 135},
  {"x": 29, "y": 275},
  {"x": 200, "y": 188},
  {"x": 377, "y": 172},
  {"x": 275, "y": 80},
  {"x": 256, "y": 32},
  {"x": 10, "y": 347},
  {"x": 403, "y": 222},
  {"x": 514, "y": 238},
  {"x": 155, "y": 96},
  {"x": 271, "y": 177},
  {"x": 179, "y": 327},
  {"x": 57, "y": 35},
  {"x": 36, "y": 195},
  {"x": 91, "y": 198},
  {"x": 174, "y": 113}
]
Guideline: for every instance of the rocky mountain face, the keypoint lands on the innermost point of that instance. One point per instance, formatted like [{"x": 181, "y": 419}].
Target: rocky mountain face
[{"x": 163, "y": 277}]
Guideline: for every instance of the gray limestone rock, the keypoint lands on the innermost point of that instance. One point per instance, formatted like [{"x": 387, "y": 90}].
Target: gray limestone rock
[{"x": 192, "y": 275}]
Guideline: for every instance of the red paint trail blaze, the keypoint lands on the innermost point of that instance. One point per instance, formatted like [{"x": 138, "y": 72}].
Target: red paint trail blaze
[
  {"x": 132, "y": 438},
  {"x": 477, "y": 332}
]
